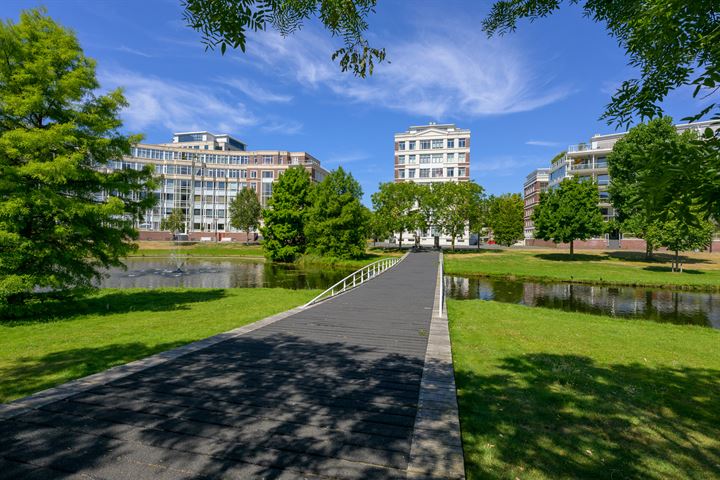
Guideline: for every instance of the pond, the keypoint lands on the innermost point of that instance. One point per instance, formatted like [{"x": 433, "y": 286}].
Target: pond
[
  {"x": 662, "y": 305},
  {"x": 225, "y": 273}
]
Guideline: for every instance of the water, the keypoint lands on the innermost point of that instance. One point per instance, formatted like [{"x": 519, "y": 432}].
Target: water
[
  {"x": 226, "y": 273},
  {"x": 672, "y": 306}
]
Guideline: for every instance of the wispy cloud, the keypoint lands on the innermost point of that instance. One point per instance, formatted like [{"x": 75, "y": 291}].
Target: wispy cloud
[
  {"x": 429, "y": 74},
  {"x": 255, "y": 91},
  {"x": 126, "y": 49},
  {"x": 542, "y": 143},
  {"x": 175, "y": 105},
  {"x": 346, "y": 157},
  {"x": 506, "y": 165}
]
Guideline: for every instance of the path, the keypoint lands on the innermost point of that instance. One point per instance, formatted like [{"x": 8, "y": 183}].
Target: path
[{"x": 331, "y": 391}]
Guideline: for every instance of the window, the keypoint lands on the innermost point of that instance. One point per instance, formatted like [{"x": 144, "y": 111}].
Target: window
[
  {"x": 267, "y": 174},
  {"x": 208, "y": 212},
  {"x": 437, "y": 172},
  {"x": 267, "y": 160},
  {"x": 424, "y": 144},
  {"x": 243, "y": 173},
  {"x": 461, "y": 157},
  {"x": 411, "y": 159},
  {"x": 437, "y": 143},
  {"x": 232, "y": 186},
  {"x": 209, "y": 184},
  {"x": 197, "y": 211},
  {"x": 605, "y": 196},
  {"x": 411, "y": 145},
  {"x": 221, "y": 185},
  {"x": 424, "y": 173},
  {"x": 411, "y": 173},
  {"x": 401, "y": 145},
  {"x": 401, "y": 159},
  {"x": 253, "y": 174},
  {"x": 461, "y": 171},
  {"x": 603, "y": 179},
  {"x": 401, "y": 173},
  {"x": 451, "y": 143},
  {"x": 437, "y": 158},
  {"x": 450, "y": 158},
  {"x": 424, "y": 158},
  {"x": 462, "y": 143},
  {"x": 198, "y": 184},
  {"x": 450, "y": 172},
  {"x": 196, "y": 226}
]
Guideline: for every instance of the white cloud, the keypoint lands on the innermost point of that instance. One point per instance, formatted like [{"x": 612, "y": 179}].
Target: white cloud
[
  {"x": 126, "y": 49},
  {"x": 175, "y": 105},
  {"x": 542, "y": 143},
  {"x": 507, "y": 165},
  {"x": 255, "y": 91},
  {"x": 433, "y": 75},
  {"x": 346, "y": 157}
]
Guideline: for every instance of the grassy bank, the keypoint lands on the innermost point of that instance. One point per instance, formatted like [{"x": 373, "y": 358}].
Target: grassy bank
[
  {"x": 117, "y": 326},
  {"x": 546, "y": 395},
  {"x": 702, "y": 271}
]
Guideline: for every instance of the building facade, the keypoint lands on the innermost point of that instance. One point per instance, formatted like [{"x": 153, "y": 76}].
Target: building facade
[
  {"x": 588, "y": 161},
  {"x": 432, "y": 153},
  {"x": 535, "y": 183},
  {"x": 201, "y": 173}
]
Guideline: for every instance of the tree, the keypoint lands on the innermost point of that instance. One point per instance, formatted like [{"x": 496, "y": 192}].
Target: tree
[
  {"x": 64, "y": 215},
  {"x": 225, "y": 23},
  {"x": 628, "y": 163},
  {"x": 455, "y": 205},
  {"x": 682, "y": 234},
  {"x": 505, "y": 218},
  {"x": 395, "y": 204},
  {"x": 245, "y": 212},
  {"x": 671, "y": 43},
  {"x": 337, "y": 224},
  {"x": 284, "y": 230},
  {"x": 378, "y": 227},
  {"x": 175, "y": 222},
  {"x": 568, "y": 213},
  {"x": 479, "y": 219}
]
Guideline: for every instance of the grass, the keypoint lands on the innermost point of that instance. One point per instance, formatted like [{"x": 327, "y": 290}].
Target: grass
[
  {"x": 702, "y": 271},
  {"x": 114, "y": 327},
  {"x": 553, "y": 395}
]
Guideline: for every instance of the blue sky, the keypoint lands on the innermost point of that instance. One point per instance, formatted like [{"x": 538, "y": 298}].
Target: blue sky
[{"x": 525, "y": 96}]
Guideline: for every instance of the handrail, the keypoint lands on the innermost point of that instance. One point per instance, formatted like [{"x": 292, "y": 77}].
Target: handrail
[
  {"x": 367, "y": 272},
  {"x": 442, "y": 283}
]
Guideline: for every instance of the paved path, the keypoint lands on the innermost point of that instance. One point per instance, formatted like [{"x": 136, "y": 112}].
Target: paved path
[{"x": 331, "y": 391}]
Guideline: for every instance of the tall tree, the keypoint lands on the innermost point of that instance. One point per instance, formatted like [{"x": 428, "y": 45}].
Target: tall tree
[
  {"x": 455, "y": 206},
  {"x": 682, "y": 234},
  {"x": 284, "y": 230},
  {"x": 175, "y": 222},
  {"x": 505, "y": 218},
  {"x": 568, "y": 213},
  {"x": 57, "y": 137},
  {"x": 225, "y": 23},
  {"x": 245, "y": 212},
  {"x": 671, "y": 43},
  {"x": 628, "y": 164},
  {"x": 337, "y": 223},
  {"x": 395, "y": 204},
  {"x": 378, "y": 227}
]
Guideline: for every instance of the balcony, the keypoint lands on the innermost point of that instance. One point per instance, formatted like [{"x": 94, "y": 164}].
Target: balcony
[{"x": 580, "y": 147}]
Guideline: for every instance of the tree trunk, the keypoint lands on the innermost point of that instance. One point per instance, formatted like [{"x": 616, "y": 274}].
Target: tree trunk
[
  {"x": 247, "y": 237},
  {"x": 676, "y": 263},
  {"x": 648, "y": 251},
  {"x": 400, "y": 240},
  {"x": 453, "y": 244},
  {"x": 572, "y": 247}
]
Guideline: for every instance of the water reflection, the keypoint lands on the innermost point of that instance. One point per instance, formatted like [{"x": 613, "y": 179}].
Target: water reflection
[
  {"x": 226, "y": 273},
  {"x": 674, "y": 306}
]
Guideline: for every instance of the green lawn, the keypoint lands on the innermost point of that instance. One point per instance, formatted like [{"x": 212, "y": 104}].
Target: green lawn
[
  {"x": 554, "y": 395},
  {"x": 702, "y": 271},
  {"x": 114, "y": 327}
]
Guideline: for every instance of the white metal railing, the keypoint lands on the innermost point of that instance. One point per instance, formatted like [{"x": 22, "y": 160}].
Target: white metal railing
[
  {"x": 442, "y": 284},
  {"x": 357, "y": 278}
]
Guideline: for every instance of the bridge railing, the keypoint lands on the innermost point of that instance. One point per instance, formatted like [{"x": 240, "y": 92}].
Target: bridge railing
[{"x": 357, "y": 278}]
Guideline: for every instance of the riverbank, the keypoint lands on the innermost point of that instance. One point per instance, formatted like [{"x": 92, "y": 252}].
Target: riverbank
[
  {"x": 546, "y": 394},
  {"x": 113, "y": 327},
  {"x": 701, "y": 270},
  {"x": 157, "y": 249}
]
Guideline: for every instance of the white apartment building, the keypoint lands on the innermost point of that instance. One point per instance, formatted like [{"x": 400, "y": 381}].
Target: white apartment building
[
  {"x": 432, "y": 153},
  {"x": 201, "y": 173},
  {"x": 535, "y": 183}
]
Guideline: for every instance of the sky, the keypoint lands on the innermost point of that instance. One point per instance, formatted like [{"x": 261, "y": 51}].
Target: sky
[{"x": 525, "y": 96}]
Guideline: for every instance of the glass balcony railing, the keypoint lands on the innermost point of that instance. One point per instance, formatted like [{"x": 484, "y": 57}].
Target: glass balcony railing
[{"x": 580, "y": 147}]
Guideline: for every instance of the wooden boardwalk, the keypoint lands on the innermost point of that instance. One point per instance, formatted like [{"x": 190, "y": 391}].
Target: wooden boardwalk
[{"x": 328, "y": 392}]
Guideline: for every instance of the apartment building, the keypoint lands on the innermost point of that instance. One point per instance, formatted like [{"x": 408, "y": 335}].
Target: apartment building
[
  {"x": 201, "y": 173},
  {"x": 535, "y": 183},
  {"x": 589, "y": 161},
  {"x": 432, "y": 153}
]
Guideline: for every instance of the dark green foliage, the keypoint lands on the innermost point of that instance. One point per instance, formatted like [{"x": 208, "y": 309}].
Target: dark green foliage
[
  {"x": 225, "y": 23},
  {"x": 671, "y": 43},
  {"x": 284, "y": 230},
  {"x": 56, "y": 137},
  {"x": 245, "y": 211},
  {"x": 505, "y": 218},
  {"x": 394, "y": 205},
  {"x": 455, "y": 204},
  {"x": 568, "y": 213},
  {"x": 175, "y": 222},
  {"x": 337, "y": 223}
]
